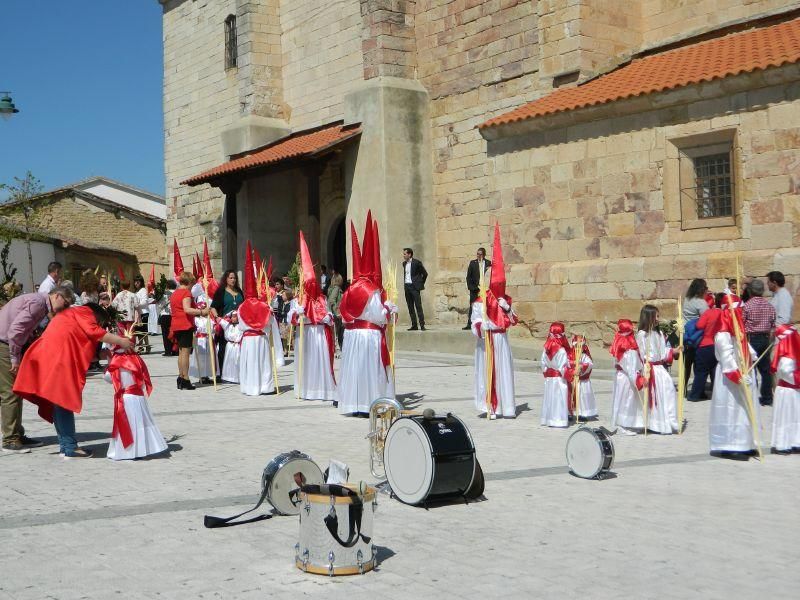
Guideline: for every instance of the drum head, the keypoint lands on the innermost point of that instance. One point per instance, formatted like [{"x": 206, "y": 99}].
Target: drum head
[
  {"x": 584, "y": 454},
  {"x": 408, "y": 461},
  {"x": 284, "y": 475}
]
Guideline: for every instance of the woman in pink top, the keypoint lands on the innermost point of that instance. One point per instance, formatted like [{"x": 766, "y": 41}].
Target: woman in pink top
[{"x": 704, "y": 360}]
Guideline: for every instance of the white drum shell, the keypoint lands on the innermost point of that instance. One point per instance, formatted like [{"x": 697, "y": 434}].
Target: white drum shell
[
  {"x": 317, "y": 551},
  {"x": 408, "y": 461},
  {"x": 589, "y": 454},
  {"x": 279, "y": 478}
]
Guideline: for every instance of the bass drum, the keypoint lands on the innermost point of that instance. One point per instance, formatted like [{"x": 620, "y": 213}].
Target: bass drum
[
  {"x": 284, "y": 476},
  {"x": 590, "y": 453},
  {"x": 431, "y": 459}
]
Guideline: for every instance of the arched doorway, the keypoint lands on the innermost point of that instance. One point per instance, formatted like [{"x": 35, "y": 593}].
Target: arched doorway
[{"x": 337, "y": 249}]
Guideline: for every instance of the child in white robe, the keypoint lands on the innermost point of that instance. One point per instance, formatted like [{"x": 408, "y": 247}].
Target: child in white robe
[
  {"x": 587, "y": 400},
  {"x": 558, "y": 374},
  {"x": 317, "y": 360},
  {"x": 655, "y": 352},
  {"x": 259, "y": 330},
  {"x": 200, "y": 365},
  {"x": 730, "y": 430},
  {"x": 233, "y": 335},
  {"x": 786, "y": 412},
  {"x": 135, "y": 433},
  {"x": 626, "y": 411}
]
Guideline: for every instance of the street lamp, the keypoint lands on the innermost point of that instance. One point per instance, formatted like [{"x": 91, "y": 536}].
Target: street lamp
[{"x": 7, "y": 107}]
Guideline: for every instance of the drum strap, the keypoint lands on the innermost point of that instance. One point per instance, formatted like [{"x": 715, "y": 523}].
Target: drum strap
[
  {"x": 354, "y": 514},
  {"x": 214, "y": 522}
]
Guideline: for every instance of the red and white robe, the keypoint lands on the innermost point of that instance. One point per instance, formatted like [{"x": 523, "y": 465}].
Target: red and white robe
[{"x": 502, "y": 392}]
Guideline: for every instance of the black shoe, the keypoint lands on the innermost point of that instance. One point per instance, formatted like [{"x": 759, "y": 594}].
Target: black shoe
[
  {"x": 766, "y": 403},
  {"x": 180, "y": 383},
  {"x": 423, "y": 328},
  {"x": 782, "y": 452},
  {"x": 185, "y": 384},
  {"x": 79, "y": 453},
  {"x": 335, "y": 404},
  {"x": 732, "y": 455},
  {"x": 467, "y": 328},
  {"x": 30, "y": 442},
  {"x": 206, "y": 380},
  {"x": 414, "y": 328}
]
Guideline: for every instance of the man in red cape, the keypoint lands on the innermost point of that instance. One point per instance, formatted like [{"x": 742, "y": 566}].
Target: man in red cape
[
  {"x": 491, "y": 319},
  {"x": 365, "y": 373},
  {"x": 53, "y": 371},
  {"x": 315, "y": 366}
]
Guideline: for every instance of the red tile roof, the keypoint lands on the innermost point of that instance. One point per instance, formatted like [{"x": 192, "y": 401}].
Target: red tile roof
[
  {"x": 744, "y": 52},
  {"x": 303, "y": 144}
]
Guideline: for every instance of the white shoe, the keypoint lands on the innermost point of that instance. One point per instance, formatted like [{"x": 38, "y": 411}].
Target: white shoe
[
  {"x": 492, "y": 417},
  {"x": 624, "y": 431}
]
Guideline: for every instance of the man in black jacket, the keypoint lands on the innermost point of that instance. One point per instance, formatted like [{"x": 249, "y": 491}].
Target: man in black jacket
[
  {"x": 476, "y": 266},
  {"x": 414, "y": 277}
]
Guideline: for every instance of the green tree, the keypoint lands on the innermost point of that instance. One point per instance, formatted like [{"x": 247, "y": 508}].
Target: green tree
[{"x": 20, "y": 193}]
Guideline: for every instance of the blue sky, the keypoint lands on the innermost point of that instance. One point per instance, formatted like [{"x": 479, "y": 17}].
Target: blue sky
[{"x": 86, "y": 77}]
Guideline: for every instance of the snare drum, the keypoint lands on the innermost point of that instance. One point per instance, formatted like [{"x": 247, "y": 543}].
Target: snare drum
[
  {"x": 590, "y": 453},
  {"x": 284, "y": 476},
  {"x": 431, "y": 459},
  {"x": 335, "y": 530}
]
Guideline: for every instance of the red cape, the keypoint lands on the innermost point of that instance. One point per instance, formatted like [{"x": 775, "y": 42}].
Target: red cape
[
  {"x": 53, "y": 370},
  {"x": 355, "y": 298},
  {"x": 254, "y": 313}
]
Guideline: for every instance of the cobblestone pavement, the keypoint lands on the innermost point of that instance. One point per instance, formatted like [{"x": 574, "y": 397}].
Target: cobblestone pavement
[{"x": 673, "y": 523}]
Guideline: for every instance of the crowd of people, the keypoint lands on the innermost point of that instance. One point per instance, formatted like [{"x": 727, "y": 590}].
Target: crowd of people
[{"x": 738, "y": 341}]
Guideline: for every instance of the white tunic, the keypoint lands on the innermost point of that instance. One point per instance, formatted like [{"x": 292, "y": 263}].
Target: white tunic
[
  {"x": 662, "y": 413},
  {"x": 786, "y": 411},
  {"x": 230, "y": 366},
  {"x": 200, "y": 364},
  {"x": 729, "y": 427},
  {"x": 555, "y": 412},
  {"x": 503, "y": 366},
  {"x": 147, "y": 305},
  {"x": 362, "y": 376},
  {"x": 147, "y": 438},
  {"x": 318, "y": 383},
  {"x": 626, "y": 409},
  {"x": 256, "y": 373},
  {"x": 586, "y": 392}
]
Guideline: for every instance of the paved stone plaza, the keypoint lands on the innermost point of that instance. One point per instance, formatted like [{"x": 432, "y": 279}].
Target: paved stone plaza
[{"x": 673, "y": 523}]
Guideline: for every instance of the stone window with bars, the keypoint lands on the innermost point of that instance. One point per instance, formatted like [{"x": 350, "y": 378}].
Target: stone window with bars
[
  {"x": 231, "y": 51},
  {"x": 707, "y": 186}
]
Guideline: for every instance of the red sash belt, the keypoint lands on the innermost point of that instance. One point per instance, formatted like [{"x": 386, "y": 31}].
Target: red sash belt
[
  {"x": 201, "y": 335},
  {"x": 548, "y": 372},
  {"x": 786, "y": 384},
  {"x": 122, "y": 426},
  {"x": 362, "y": 324},
  {"x": 252, "y": 333}
]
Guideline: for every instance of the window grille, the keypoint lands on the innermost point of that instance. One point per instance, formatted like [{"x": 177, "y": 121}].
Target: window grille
[
  {"x": 230, "y": 42},
  {"x": 713, "y": 186}
]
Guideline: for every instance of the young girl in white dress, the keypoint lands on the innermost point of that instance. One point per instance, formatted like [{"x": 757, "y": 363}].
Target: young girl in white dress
[
  {"x": 656, "y": 354},
  {"x": 135, "y": 433}
]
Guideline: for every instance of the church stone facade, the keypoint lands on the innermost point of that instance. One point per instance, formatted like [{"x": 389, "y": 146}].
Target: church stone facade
[{"x": 597, "y": 205}]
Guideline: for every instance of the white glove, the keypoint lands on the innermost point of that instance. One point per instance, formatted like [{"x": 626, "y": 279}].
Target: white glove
[
  {"x": 748, "y": 380},
  {"x": 327, "y": 320},
  {"x": 300, "y": 310},
  {"x": 503, "y": 304},
  {"x": 391, "y": 307}
]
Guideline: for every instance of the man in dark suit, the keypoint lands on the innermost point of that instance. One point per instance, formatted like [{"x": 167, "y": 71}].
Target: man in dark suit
[
  {"x": 476, "y": 266},
  {"x": 414, "y": 277}
]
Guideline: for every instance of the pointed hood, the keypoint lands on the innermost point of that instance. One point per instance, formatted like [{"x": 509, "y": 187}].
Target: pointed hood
[
  {"x": 151, "y": 281},
  {"x": 177, "y": 261},
  {"x": 367, "y": 250},
  {"x": 356, "y": 252},
  {"x": 624, "y": 339},
  {"x": 787, "y": 341},
  {"x": 314, "y": 303},
  {"x": 258, "y": 274},
  {"x": 376, "y": 256},
  {"x": 310, "y": 285},
  {"x": 556, "y": 340},
  {"x": 120, "y": 273},
  {"x": 208, "y": 272},
  {"x": 269, "y": 270},
  {"x": 199, "y": 262},
  {"x": 249, "y": 277},
  {"x": 497, "y": 283}
]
